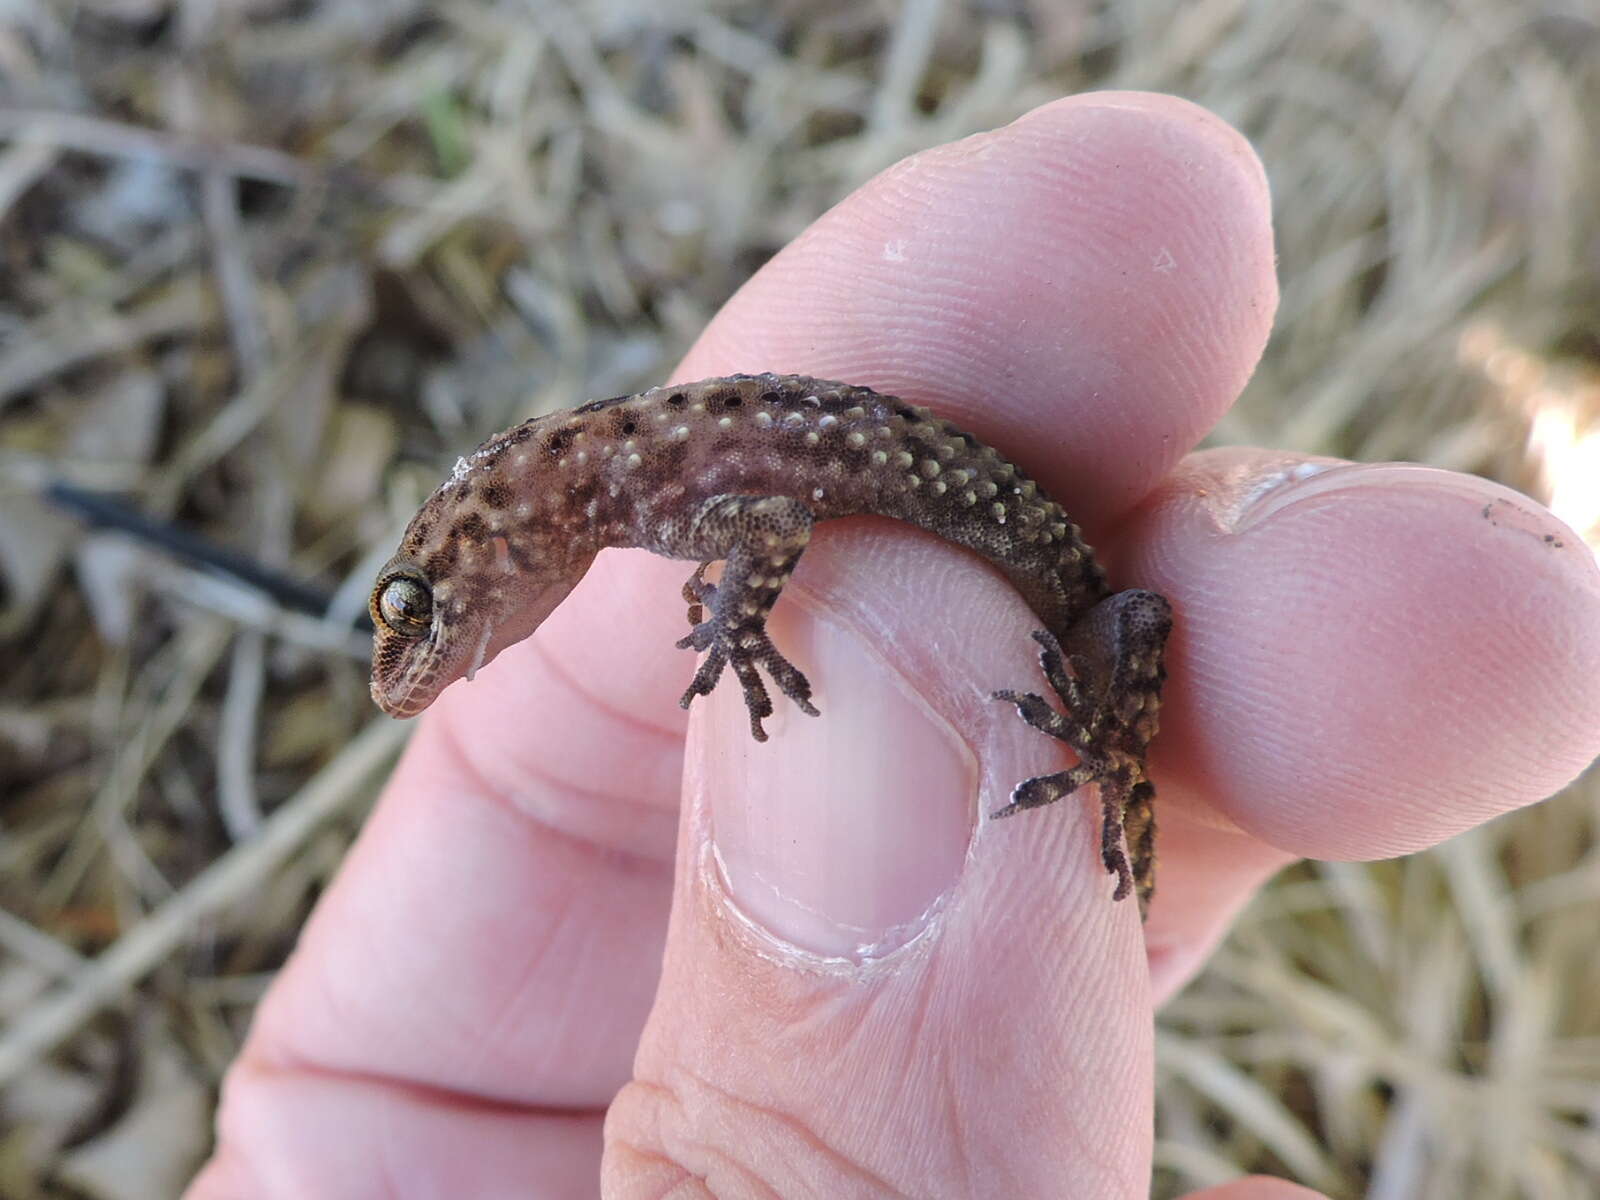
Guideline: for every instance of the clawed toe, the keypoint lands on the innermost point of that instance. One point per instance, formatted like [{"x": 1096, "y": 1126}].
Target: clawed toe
[
  {"x": 701, "y": 637},
  {"x": 745, "y": 652},
  {"x": 1038, "y": 713}
]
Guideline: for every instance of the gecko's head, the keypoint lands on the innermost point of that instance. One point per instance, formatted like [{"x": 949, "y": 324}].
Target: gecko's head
[{"x": 429, "y": 632}]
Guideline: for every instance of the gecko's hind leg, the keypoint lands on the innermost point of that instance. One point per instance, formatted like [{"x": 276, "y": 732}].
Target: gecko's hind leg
[
  {"x": 1111, "y": 696},
  {"x": 760, "y": 539}
]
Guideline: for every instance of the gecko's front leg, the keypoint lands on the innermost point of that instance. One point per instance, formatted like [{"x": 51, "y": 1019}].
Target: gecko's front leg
[
  {"x": 759, "y": 539},
  {"x": 1108, "y": 675}
]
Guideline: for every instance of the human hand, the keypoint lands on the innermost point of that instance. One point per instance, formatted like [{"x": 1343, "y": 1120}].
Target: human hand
[{"x": 1366, "y": 660}]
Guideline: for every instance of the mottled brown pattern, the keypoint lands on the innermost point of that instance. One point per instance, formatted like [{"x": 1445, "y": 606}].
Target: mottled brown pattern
[{"x": 738, "y": 470}]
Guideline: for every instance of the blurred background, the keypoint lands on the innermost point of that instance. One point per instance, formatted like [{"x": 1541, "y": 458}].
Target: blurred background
[{"x": 268, "y": 266}]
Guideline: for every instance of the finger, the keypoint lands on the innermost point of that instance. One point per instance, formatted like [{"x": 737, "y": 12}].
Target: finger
[
  {"x": 869, "y": 988},
  {"x": 1366, "y": 660},
  {"x": 345, "y": 1138}
]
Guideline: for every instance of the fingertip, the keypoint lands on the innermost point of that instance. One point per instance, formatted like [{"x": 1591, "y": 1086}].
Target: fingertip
[
  {"x": 1196, "y": 134},
  {"x": 1369, "y": 659}
]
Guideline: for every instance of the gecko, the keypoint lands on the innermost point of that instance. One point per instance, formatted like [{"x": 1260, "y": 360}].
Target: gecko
[{"x": 738, "y": 470}]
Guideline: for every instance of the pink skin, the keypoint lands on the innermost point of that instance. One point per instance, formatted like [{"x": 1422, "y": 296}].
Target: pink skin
[{"x": 1363, "y": 665}]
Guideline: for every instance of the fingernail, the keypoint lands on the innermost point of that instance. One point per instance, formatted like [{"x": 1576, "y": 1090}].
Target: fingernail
[
  {"x": 1301, "y": 481},
  {"x": 841, "y": 834}
]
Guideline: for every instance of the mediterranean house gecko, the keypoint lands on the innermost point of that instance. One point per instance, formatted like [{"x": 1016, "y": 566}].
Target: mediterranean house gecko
[{"x": 739, "y": 469}]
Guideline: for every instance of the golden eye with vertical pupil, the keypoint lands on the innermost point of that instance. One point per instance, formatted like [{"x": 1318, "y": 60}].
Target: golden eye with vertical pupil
[{"x": 404, "y": 605}]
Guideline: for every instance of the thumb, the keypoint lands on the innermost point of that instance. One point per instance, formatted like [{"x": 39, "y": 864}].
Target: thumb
[{"x": 870, "y": 987}]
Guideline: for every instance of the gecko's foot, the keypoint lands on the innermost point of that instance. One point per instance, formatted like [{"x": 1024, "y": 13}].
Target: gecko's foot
[
  {"x": 1109, "y": 682},
  {"x": 1121, "y": 788},
  {"x": 746, "y": 649}
]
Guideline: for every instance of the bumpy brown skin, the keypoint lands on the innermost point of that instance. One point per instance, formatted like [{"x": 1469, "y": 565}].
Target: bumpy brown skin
[{"x": 739, "y": 469}]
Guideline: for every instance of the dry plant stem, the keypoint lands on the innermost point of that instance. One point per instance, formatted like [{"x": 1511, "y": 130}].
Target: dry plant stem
[
  {"x": 194, "y": 654},
  {"x": 236, "y": 875},
  {"x": 36, "y": 947},
  {"x": 1263, "y": 1113},
  {"x": 237, "y": 798},
  {"x": 64, "y": 340},
  {"x": 116, "y": 139},
  {"x": 22, "y": 165}
]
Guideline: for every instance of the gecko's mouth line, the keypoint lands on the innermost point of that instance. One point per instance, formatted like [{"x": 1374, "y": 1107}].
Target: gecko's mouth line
[{"x": 405, "y": 694}]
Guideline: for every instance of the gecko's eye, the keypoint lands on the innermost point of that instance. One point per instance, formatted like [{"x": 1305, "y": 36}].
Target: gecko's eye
[{"x": 404, "y": 605}]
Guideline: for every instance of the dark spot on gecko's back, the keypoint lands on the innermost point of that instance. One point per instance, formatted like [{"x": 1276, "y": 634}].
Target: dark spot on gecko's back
[
  {"x": 561, "y": 439},
  {"x": 471, "y": 525},
  {"x": 496, "y": 494},
  {"x": 516, "y": 435},
  {"x": 723, "y": 398},
  {"x": 772, "y": 397},
  {"x": 906, "y": 413},
  {"x": 627, "y": 428},
  {"x": 677, "y": 399},
  {"x": 597, "y": 405}
]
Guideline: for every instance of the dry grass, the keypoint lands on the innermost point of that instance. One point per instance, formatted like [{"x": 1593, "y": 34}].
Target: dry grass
[{"x": 243, "y": 243}]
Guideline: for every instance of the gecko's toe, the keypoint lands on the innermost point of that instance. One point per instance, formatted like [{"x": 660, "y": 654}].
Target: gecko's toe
[
  {"x": 705, "y": 678},
  {"x": 790, "y": 679},
  {"x": 1047, "y": 789},
  {"x": 702, "y": 637},
  {"x": 1038, "y": 713}
]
